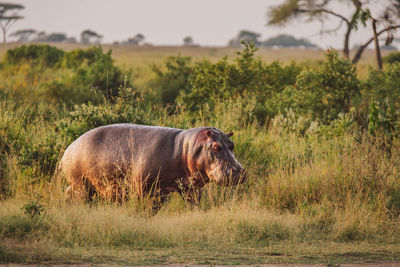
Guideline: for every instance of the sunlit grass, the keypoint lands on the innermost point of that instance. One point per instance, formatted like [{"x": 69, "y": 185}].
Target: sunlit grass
[{"x": 308, "y": 198}]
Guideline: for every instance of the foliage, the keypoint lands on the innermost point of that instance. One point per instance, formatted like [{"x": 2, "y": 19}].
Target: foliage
[
  {"x": 33, "y": 209},
  {"x": 173, "y": 80},
  {"x": 325, "y": 92},
  {"x": 89, "y": 37},
  {"x": 42, "y": 55},
  {"x": 387, "y": 16},
  {"x": 97, "y": 70},
  {"x": 81, "y": 75},
  {"x": 284, "y": 40},
  {"x": 7, "y": 19},
  {"x": 23, "y": 35},
  {"x": 88, "y": 116},
  {"x": 392, "y": 58},
  {"x": 246, "y": 75},
  {"x": 245, "y": 36},
  {"x": 320, "y": 146},
  {"x": 382, "y": 95}
]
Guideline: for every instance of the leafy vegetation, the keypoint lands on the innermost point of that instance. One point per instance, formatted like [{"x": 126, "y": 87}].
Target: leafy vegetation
[{"x": 319, "y": 143}]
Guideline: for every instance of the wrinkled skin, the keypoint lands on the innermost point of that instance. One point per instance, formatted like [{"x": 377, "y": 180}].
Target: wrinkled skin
[{"x": 115, "y": 159}]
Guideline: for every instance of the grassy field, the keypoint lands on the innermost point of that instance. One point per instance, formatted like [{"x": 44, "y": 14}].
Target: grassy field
[
  {"x": 139, "y": 57},
  {"x": 316, "y": 193},
  {"x": 233, "y": 234}
]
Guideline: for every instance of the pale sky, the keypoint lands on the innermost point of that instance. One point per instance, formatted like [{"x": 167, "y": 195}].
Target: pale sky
[{"x": 167, "y": 22}]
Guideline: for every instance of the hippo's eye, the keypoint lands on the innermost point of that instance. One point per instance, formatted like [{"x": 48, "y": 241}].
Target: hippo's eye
[{"x": 216, "y": 147}]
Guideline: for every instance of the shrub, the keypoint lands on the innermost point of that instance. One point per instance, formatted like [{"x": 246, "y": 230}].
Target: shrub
[
  {"x": 382, "y": 99},
  {"x": 43, "y": 55},
  {"x": 69, "y": 78},
  {"x": 323, "y": 93},
  {"x": 33, "y": 209},
  {"x": 85, "y": 117},
  {"x": 13, "y": 138},
  {"x": 214, "y": 82},
  {"x": 392, "y": 58},
  {"x": 75, "y": 58},
  {"x": 68, "y": 92},
  {"x": 170, "y": 82},
  {"x": 97, "y": 70}
]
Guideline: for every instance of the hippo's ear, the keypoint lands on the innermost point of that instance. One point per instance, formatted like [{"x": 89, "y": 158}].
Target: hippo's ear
[
  {"x": 209, "y": 133},
  {"x": 230, "y": 134}
]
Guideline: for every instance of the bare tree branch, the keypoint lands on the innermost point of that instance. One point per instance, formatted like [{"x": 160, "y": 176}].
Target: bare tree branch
[
  {"x": 361, "y": 49},
  {"x": 323, "y": 10}
]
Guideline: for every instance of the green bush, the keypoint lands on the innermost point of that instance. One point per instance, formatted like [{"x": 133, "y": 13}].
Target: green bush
[
  {"x": 322, "y": 93},
  {"x": 33, "y": 209},
  {"x": 382, "y": 97},
  {"x": 127, "y": 109},
  {"x": 13, "y": 138},
  {"x": 75, "y": 58},
  {"x": 69, "y": 78},
  {"x": 174, "y": 79},
  {"x": 43, "y": 55},
  {"x": 392, "y": 58},
  {"x": 212, "y": 82},
  {"x": 69, "y": 92},
  {"x": 97, "y": 71}
]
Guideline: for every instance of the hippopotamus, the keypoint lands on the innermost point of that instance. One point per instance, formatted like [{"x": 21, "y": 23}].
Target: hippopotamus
[{"x": 113, "y": 160}]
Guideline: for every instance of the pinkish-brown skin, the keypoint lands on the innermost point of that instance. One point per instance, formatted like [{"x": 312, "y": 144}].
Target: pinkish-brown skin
[{"x": 113, "y": 159}]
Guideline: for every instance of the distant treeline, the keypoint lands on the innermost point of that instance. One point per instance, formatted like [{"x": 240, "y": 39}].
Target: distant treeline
[{"x": 92, "y": 37}]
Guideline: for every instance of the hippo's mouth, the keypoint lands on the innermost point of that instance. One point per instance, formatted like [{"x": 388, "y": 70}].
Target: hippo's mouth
[{"x": 228, "y": 177}]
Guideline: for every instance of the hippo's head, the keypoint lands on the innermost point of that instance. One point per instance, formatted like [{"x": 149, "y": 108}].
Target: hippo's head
[{"x": 213, "y": 157}]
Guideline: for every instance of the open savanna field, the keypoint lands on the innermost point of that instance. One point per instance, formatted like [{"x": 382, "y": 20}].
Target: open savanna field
[{"x": 318, "y": 136}]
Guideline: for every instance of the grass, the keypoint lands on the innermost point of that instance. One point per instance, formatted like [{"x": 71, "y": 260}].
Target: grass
[
  {"x": 117, "y": 235},
  {"x": 322, "y": 197},
  {"x": 322, "y": 209}
]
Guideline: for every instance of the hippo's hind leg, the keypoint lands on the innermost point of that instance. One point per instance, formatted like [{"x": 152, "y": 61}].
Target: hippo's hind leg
[{"x": 80, "y": 190}]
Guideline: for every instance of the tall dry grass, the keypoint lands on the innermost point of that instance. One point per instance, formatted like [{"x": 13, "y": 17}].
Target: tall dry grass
[
  {"x": 300, "y": 189},
  {"x": 305, "y": 186}
]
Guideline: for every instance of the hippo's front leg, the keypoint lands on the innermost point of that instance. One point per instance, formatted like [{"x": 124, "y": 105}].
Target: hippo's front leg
[{"x": 190, "y": 191}]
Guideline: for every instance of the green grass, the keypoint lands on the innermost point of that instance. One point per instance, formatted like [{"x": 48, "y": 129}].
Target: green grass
[
  {"x": 315, "y": 194},
  {"x": 322, "y": 212}
]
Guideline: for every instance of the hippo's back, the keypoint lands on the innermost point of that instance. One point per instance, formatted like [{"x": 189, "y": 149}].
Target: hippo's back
[{"x": 115, "y": 148}]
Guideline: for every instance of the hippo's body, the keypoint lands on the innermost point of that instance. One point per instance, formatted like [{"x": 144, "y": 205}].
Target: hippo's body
[{"x": 116, "y": 158}]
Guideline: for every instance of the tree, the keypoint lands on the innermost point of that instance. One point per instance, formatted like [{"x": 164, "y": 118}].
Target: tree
[
  {"x": 321, "y": 10},
  {"x": 23, "y": 35},
  {"x": 90, "y": 37},
  {"x": 245, "y": 35},
  {"x": 41, "y": 37},
  {"x": 56, "y": 37},
  {"x": 6, "y": 20},
  {"x": 136, "y": 40},
  {"x": 284, "y": 40},
  {"x": 188, "y": 40}
]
